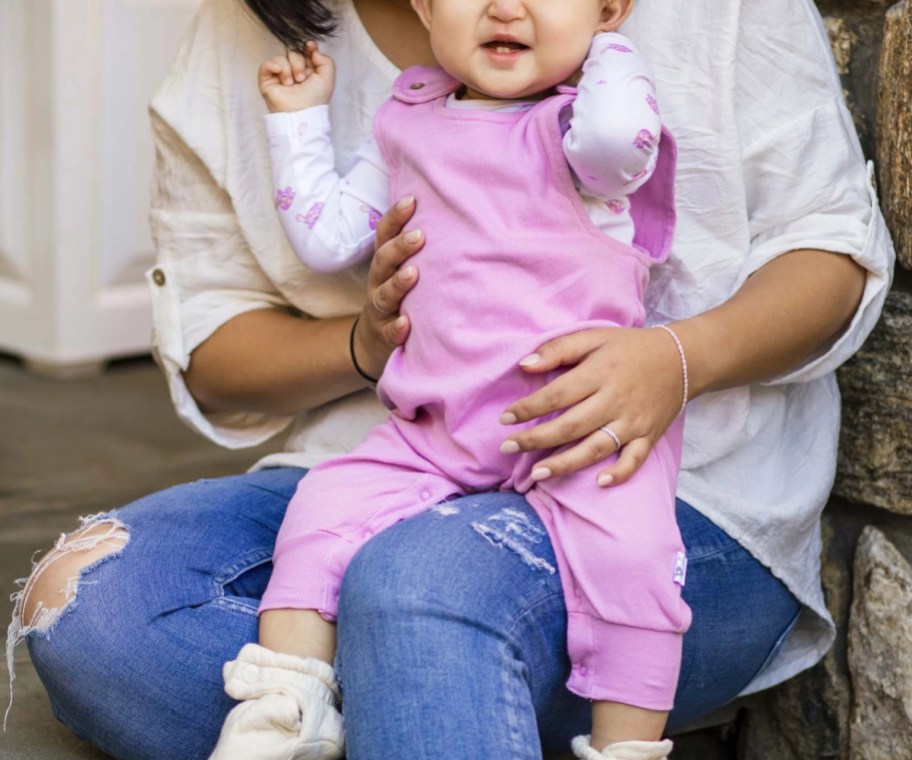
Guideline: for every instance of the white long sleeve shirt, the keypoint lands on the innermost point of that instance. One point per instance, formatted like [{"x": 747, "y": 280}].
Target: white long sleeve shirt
[
  {"x": 768, "y": 163},
  {"x": 611, "y": 142}
]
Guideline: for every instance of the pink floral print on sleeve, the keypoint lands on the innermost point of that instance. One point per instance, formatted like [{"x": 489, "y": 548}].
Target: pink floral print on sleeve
[
  {"x": 311, "y": 217},
  {"x": 645, "y": 140},
  {"x": 373, "y": 217},
  {"x": 284, "y": 198},
  {"x": 615, "y": 46}
]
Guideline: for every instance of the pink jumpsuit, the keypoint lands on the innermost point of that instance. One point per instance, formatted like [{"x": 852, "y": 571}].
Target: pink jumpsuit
[{"x": 512, "y": 260}]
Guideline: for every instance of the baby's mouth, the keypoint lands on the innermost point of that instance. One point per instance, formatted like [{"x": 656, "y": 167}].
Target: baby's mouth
[{"x": 505, "y": 46}]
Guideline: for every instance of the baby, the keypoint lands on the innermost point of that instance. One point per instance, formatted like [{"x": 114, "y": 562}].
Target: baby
[{"x": 543, "y": 205}]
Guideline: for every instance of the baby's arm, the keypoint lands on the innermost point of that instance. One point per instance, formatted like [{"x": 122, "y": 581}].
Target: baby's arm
[
  {"x": 329, "y": 220},
  {"x": 612, "y": 143}
]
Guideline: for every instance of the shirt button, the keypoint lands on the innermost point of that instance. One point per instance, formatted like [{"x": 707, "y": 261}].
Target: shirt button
[
  {"x": 416, "y": 85},
  {"x": 425, "y": 494},
  {"x": 583, "y": 670},
  {"x": 158, "y": 277}
]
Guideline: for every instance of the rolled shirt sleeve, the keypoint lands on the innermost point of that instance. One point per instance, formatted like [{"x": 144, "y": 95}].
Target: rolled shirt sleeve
[
  {"x": 205, "y": 272},
  {"x": 807, "y": 184},
  {"x": 204, "y": 276}
]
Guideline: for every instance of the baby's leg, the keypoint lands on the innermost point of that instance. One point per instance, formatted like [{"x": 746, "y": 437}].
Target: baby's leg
[
  {"x": 622, "y": 562},
  {"x": 287, "y": 684}
]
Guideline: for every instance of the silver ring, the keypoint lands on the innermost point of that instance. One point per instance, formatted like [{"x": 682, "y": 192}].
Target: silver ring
[
  {"x": 374, "y": 303},
  {"x": 614, "y": 437}
]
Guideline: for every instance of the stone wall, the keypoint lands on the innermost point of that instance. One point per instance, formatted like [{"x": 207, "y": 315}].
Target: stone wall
[{"x": 857, "y": 704}]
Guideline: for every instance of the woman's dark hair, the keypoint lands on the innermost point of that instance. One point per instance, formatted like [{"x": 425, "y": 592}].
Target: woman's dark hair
[{"x": 294, "y": 22}]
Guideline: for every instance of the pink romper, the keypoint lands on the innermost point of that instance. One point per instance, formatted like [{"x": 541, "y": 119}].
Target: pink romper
[{"x": 512, "y": 260}]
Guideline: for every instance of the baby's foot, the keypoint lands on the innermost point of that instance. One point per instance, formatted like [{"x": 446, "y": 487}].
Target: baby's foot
[
  {"x": 288, "y": 709},
  {"x": 622, "y": 750}
]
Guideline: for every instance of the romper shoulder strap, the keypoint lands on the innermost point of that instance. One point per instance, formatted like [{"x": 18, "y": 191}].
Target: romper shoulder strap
[{"x": 422, "y": 84}]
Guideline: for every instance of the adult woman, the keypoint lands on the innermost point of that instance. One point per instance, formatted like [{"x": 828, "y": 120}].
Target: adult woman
[{"x": 765, "y": 216}]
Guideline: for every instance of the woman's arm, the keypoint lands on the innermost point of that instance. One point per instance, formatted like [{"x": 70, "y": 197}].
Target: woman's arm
[
  {"x": 272, "y": 361},
  {"x": 788, "y": 311},
  {"x": 631, "y": 379}
]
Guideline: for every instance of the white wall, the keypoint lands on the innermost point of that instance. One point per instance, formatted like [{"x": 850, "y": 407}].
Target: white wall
[{"x": 75, "y": 168}]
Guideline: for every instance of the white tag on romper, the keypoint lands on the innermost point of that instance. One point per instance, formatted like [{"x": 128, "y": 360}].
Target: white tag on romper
[{"x": 680, "y": 573}]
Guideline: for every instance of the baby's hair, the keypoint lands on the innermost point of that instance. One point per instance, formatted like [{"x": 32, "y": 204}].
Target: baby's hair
[{"x": 294, "y": 22}]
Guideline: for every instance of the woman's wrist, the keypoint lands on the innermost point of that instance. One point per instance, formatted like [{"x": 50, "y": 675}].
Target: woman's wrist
[
  {"x": 353, "y": 353},
  {"x": 691, "y": 336},
  {"x": 682, "y": 354},
  {"x": 273, "y": 362}
]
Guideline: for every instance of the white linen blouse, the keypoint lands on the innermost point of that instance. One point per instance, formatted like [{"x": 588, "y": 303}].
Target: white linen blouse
[{"x": 769, "y": 162}]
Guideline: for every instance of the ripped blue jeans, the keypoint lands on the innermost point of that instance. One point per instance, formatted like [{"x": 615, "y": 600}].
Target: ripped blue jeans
[{"x": 451, "y": 631}]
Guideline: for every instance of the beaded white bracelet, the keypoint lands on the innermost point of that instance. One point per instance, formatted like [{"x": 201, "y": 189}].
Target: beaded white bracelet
[{"x": 677, "y": 341}]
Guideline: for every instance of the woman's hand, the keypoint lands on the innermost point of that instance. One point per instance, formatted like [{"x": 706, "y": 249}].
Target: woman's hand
[
  {"x": 627, "y": 379},
  {"x": 380, "y": 326}
]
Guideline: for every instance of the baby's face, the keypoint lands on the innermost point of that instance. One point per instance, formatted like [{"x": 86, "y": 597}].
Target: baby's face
[{"x": 515, "y": 48}]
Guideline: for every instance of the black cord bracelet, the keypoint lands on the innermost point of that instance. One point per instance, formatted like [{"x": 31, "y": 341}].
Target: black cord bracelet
[{"x": 351, "y": 352}]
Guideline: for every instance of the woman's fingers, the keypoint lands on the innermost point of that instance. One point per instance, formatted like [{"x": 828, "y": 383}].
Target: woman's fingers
[
  {"x": 397, "y": 331},
  {"x": 595, "y": 447},
  {"x": 561, "y": 393},
  {"x": 380, "y": 327},
  {"x": 560, "y": 352},
  {"x": 575, "y": 423},
  {"x": 389, "y": 295},
  {"x": 632, "y": 456},
  {"x": 393, "y": 221}
]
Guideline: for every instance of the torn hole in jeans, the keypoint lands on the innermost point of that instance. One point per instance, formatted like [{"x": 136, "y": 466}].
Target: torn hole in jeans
[
  {"x": 44, "y": 618},
  {"x": 514, "y": 530}
]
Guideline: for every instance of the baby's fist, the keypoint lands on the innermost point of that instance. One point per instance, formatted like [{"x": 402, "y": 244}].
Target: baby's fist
[{"x": 295, "y": 81}]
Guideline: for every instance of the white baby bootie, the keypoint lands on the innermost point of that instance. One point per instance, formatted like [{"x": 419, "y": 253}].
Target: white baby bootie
[
  {"x": 288, "y": 709},
  {"x": 622, "y": 750}
]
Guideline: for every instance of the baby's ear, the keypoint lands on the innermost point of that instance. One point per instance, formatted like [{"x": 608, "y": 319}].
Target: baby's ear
[
  {"x": 614, "y": 13},
  {"x": 423, "y": 9}
]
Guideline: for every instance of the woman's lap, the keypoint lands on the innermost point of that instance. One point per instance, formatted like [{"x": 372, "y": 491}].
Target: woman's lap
[{"x": 135, "y": 664}]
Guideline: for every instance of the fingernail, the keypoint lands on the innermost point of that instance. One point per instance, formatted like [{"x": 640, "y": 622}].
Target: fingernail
[
  {"x": 508, "y": 418},
  {"x": 400, "y": 322},
  {"x": 541, "y": 473},
  {"x": 509, "y": 447},
  {"x": 413, "y": 237},
  {"x": 405, "y": 202},
  {"x": 530, "y": 360},
  {"x": 605, "y": 479},
  {"x": 407, "y": 273}
]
